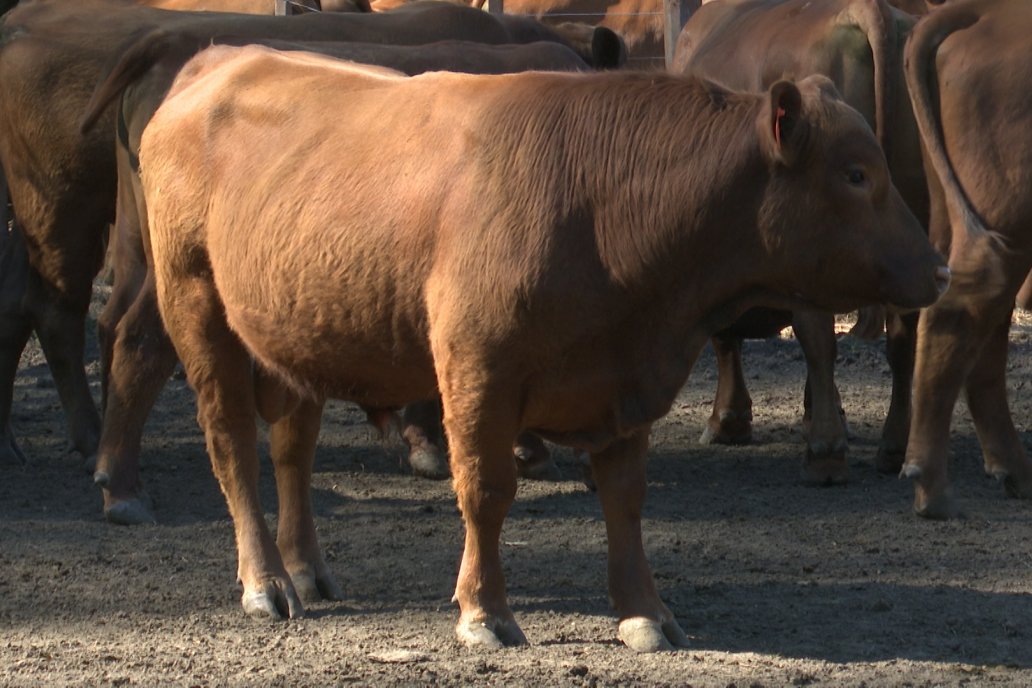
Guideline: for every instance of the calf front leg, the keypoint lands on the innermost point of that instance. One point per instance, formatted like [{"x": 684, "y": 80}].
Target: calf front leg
[
  {"x": 292, "y": 441},
  {"x": 826, "y": 442},
  {"x": 900, "y": 340},
  {"x": 731, "y": 420},
  {"x": 646, "y": 625}
]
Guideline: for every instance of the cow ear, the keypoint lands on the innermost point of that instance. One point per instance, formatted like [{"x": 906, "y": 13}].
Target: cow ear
[
  {"x": 608, "y": 50},
  {"x": 784, "y": 124}
]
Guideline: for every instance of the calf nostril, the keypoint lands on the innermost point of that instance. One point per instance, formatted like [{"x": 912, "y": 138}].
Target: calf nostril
[{"x": 942, "y": 279}]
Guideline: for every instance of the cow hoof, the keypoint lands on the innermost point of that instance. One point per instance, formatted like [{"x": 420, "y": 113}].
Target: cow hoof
[
  {"x": 131, "y": 512},
  {"x": 276, "y": 600},
  {"x": 730, "y": 429},
  {"x": 312, "y": 587},
  {"x": 647, "y": 635},
  {"x": 889, "y": 461},
  {"x": 428, "y": 462},
  {"x": 89, "y": 463},
  {"x": 1015, "y": 486},
  {"x": 493, "y": 634},
  {"x": 10, "y": 454}
]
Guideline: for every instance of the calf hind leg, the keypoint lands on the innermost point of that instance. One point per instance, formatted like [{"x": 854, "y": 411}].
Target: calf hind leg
[
  {"x": 219, "y": 369},
  {"x": 142, "y": 359},
  {"x": 292, "y": 440},
  {"x": 986, "y": 388},
  {"x": 484, "y": 477},
  {"x": 15, "y": 327},
  {"x": 646, "y": 624}
]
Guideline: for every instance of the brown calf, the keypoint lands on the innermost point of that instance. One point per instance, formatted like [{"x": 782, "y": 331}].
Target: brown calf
[{"x": 536, "y": 247}]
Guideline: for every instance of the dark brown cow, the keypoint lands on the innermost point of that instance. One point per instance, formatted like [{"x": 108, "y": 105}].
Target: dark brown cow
[
  {"x": 62, "y": 184},
  {"x": 748, "y": 44},
  {"x": 967, "y": 65},
  {"x": 512, "y": 242}
]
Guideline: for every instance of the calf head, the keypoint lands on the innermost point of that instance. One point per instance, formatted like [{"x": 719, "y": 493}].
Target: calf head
[{"x": 835, "y": 228}]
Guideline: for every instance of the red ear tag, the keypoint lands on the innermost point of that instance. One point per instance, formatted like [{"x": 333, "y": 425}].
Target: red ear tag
[{"x": 777, "y": 125}]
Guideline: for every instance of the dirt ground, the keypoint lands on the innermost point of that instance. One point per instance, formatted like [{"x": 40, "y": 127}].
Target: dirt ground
[{"x": 776, "y": 583}]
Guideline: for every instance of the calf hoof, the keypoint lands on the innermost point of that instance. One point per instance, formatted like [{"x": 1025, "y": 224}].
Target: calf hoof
[
  {"x": 135, "y": 511},
  {"x": 492, "y": 634},
  {"x": 10, "y": 454},
  {"x": 275, "y": 600},
  {"x": 729, "y": 429},
  {"x": 315, "y": 586},
  {"x": 889, "y": 461},
  {"x": 647, "y": 635},
  {"x": 934, "y": 502},
  {"x": 428, "y": 461}
]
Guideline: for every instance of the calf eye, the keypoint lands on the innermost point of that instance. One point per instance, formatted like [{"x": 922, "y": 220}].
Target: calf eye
[{"x": 856, "y": 177}]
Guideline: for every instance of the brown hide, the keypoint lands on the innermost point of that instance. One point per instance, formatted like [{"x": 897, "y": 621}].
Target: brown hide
[
  {"x": 538, "y": 247},
  {"x": 62, "y": 184},
  {"x": 638, "y": 22},
  {"x": 748, "y": 44},
  {"x": 138, "y": 372},
  {"x": 967, "y": 64}
]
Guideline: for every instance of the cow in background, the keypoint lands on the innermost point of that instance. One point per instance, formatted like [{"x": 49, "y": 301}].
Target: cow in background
[
  {"x": 63, "y": 186},
  {"x": 748, "y": 44},
  {"x": 967, "y": 66}
]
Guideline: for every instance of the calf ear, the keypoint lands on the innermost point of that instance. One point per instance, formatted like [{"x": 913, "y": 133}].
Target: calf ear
[{"x": 782, "y": 124}]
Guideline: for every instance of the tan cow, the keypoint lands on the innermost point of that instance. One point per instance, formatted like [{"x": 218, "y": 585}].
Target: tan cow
[
  {"x": 542, "y": 249},
  {"x": 967, "y": 67}
]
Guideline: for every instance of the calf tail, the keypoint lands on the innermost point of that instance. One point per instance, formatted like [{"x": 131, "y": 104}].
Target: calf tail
[
  {"x": 874, "y": 18},
  {"x": 974, "y": 250}
]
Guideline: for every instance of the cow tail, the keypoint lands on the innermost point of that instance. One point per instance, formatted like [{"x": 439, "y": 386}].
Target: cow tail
[
  {"x": 874, "y": 18},
  {"x": 975, "y": 253},
  {"x": 141, "y": 51}
]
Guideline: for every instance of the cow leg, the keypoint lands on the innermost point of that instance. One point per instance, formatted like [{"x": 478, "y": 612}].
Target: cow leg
[
  {"x": 219, "y": 369},
  {"x": 947, "y": 346},
  {"x": 421, "y": 429},
  {"x": 826, "y": 444},
  {"x": 142, "y": 358},
  {"x": 15, "y": 327},
  {"x": 731, "y": 420},
  {"x": 60, "y": 326},
  {"x": 533, "y": 460},
  {"x": 986, "y": 388},
  {"x": 646, "y": 625},
  {"x": 484, "y": 477},
  {"x": 900, "y": 339},
  {"x": 292, "y": 441},
  {"x": 870, "y": 322}
]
